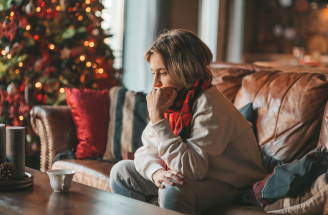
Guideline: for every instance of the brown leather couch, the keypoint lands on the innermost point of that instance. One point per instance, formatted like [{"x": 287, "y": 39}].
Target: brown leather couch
[{"x": 292, "y": 119}]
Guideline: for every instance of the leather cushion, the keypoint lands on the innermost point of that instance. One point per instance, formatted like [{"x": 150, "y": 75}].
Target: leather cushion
[
  {"x": 323, "y": 140},
  {"x": 228, "y": 80},
  {"x": 90, "y": 111},
  {"x": 289, "y": 107}
]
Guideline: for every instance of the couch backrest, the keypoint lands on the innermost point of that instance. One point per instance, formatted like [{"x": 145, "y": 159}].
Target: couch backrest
[{"x": 289, "y": 102}]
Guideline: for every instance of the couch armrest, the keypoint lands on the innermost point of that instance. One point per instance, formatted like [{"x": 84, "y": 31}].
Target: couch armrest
[{"x": 56, "y": 129}]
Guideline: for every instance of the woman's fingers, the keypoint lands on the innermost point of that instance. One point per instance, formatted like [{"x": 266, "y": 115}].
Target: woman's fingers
[
  {"x": 176, "y": 176},
  {"x": 159, "y": 185}
]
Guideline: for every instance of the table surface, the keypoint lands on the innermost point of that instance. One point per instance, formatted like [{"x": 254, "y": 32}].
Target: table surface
[{"x": 81, "y": 199}]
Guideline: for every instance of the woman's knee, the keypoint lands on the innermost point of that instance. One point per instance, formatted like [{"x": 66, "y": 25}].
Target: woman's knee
[
  {"x": 178, "y": 197},
  {"x": 170, "y": 196},
  {"x": 120, "y": 170}
]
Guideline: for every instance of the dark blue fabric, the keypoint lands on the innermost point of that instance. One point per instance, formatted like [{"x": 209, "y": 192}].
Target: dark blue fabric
[
  {"x": 118, "y": 123},
  {"x": 248, "y": 112},
  {"x": 292, "y": 179},
  {"x": 140, "y": 120}
]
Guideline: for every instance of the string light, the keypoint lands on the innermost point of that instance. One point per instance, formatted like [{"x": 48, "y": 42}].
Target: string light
[
  {"x": 28, "y": 27},
  {"x": 49, "y": 10},
  {"x": 91, "y": 44},
  {"x": 9, "y": 56},
  {"x": 86, "y": 43},
  {"x": 38, "y": 9},
  {"x": 17, "y": 71},
  {"x": 80, "y": 18},
  {"x": 106, "y": 40},
  {"x": 88, "y": 9},
  {"x": 94, "y": 65},
  {"x": 82, "y": 58},
  {"x": 51, "y": 46},
  {"x": 100, "y": 70},
  {"x": 58, "y": 8},
  {"x": 62, "y": 90},
  {"x": 3, "y": 52},
  {"x": 38, "y": 85},
  {"x": 87, "y": 1},
  {"x": 36, "y": 37},
  {"x": 88, "y": 64},
  {"x": 12, "y": 14},
  {"x": 20, "y": 64},
  {"x": 21, "y": 118}
]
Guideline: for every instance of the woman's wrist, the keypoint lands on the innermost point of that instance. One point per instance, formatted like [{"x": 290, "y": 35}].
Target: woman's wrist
[{"x": 156, "y": 119}]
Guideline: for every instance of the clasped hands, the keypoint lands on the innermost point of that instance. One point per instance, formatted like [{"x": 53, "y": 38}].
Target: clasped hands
[
  {"x": 168, "y": 177},
  {"x": 158, "y": 101}
]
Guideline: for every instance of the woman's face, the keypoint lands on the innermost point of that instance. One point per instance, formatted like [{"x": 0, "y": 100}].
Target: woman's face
[{"x": 161, "y": 77}]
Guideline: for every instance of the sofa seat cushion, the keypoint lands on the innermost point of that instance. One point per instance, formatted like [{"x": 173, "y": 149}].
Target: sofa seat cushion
[
  {"x": 93, "y": 173},
  {"x": 236, "y": 209}
]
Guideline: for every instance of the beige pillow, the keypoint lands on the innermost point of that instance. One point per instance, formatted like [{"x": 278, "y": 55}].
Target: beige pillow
[{"x": 311, "y": 202}]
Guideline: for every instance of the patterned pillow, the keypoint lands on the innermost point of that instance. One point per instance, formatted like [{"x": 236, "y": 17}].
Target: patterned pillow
[
  {"x": 311, "y": 202},
  {"x": 128, "y": 118}
]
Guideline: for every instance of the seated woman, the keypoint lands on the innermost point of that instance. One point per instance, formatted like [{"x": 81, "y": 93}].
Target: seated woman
[{"x": 198, "y": 150}]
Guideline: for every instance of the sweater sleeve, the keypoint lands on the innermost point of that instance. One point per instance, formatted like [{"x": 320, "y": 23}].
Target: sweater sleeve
[
  {"x": 210, "y": 134},
  {"x": 146, "y": 158}
]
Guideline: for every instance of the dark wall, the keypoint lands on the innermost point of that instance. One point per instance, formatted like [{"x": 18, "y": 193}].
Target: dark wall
[{"x": 179, "y": 14}]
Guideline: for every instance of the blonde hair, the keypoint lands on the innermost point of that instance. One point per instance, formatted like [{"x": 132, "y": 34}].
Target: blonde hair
[{"x": 185, "y": 56}]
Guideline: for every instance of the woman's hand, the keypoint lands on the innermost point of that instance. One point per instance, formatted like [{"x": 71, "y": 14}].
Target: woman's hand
[
  {"x": 158, "y": 101},
  {"x": 162, "y": 175}
]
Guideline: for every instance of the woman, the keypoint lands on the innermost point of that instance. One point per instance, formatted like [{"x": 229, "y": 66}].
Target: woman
[{"x": 198, "y": 150}]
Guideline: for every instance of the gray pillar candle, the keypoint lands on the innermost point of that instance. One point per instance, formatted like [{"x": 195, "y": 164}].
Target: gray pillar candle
[
  {"x": 15, "y": 138},
  {"x": 2, "y": 143}
]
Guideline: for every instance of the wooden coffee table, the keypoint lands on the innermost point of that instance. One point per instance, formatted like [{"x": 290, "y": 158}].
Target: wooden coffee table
[{"x": 80, "y": 200}]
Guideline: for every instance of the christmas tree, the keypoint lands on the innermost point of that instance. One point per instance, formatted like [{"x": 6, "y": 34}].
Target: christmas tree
[{"x": 45, "y": 46}]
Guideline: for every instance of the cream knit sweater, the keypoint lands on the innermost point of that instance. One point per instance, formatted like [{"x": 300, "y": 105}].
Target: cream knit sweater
[{"x": 221, "y": 145}]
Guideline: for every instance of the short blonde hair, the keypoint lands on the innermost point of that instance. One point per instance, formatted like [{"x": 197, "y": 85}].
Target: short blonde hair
[{"x": 185, "y": 56}]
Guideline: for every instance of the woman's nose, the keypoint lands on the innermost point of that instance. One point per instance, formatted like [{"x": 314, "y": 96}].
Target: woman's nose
[{"x": 157, "y": 82}]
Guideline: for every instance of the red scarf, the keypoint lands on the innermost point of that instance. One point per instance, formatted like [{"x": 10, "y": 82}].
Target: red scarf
[{"x": 179, "y": 114}]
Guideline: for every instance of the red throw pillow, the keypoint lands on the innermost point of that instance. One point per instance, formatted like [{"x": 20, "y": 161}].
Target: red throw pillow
[{"x": 90, "y": 111}]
